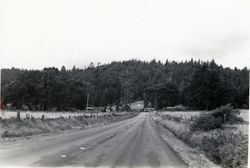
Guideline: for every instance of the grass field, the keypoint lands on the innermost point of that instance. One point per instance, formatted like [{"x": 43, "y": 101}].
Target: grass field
[
  {"x": 188, "y": 114},
  {"x": 13, "y": 127},
  {"x": 4, "y": 114}
]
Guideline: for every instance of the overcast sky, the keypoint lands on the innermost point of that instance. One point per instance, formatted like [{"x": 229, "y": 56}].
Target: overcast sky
[{"x": 41, "y": 33}]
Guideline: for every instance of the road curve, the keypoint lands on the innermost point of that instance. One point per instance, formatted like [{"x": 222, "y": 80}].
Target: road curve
[{"x": 131, "y": 143}]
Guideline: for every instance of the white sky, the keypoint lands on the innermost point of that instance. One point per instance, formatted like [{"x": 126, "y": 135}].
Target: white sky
[{"x": 39, "y": 33}]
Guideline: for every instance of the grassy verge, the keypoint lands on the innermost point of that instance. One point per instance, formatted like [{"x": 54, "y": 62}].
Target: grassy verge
[
  {"x": 26, "y": 127},
  {"x": 224, "y": 146}
]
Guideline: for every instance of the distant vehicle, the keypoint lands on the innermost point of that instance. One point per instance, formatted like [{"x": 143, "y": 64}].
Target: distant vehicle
[{"x": 89, "y": 108}]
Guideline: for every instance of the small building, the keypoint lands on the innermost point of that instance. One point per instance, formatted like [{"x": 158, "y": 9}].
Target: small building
[{"x": 137, "y": 106}]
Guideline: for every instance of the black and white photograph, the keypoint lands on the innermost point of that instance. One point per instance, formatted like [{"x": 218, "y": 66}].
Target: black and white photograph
[{"x": 124, "y": 83}]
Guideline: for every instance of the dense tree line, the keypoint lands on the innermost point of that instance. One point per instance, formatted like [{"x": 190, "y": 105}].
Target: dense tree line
[{"x": 197, "y": 84}]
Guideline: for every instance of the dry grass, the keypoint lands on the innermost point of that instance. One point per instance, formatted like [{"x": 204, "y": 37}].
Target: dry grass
[
  {"x": 181, "y": 130},
  {"x": 188, "y": 114},
  {"x": 25, "y": 127},
  {"x": 227, "y": 147}
]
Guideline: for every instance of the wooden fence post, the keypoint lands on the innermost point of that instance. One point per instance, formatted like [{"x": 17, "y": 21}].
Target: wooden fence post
[
  {"x": 18, "y": 115},
  {"x": 42, "y": 118}
]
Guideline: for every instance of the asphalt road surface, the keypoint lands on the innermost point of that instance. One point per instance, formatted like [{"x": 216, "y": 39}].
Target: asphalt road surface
[{"x": 134, "y": 142}]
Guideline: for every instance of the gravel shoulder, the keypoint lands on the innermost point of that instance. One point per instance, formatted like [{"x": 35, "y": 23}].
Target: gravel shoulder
[{"x": 191, "y": 156}]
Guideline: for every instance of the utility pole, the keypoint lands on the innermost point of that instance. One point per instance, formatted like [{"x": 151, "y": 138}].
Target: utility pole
[
  {"x": 87, "y": 105},
  {"x": 87, "y": 102}
]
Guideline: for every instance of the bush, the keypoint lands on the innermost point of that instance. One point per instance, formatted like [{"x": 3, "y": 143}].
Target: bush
[
  {"x": 216, "y": 119},
  {"x": 206, "y": 122},
  {"x": 227, "y": 114},
  {"x": 227, "y": 149}
]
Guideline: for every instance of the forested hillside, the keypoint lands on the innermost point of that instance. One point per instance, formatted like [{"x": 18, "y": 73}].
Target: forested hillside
[{"x": 196, "y": 84}]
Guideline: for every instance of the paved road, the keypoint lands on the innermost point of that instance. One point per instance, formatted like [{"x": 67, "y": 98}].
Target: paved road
[{"x": 130, "y": 143}]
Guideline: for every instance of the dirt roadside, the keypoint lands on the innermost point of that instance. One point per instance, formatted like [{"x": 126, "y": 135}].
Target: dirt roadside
[
  {"x": 12, "y": 127},
  {"x": 192, "y": 157}
]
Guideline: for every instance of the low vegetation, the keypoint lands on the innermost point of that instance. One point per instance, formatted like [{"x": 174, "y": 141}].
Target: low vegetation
[
  {"x": 179, "y": 107},
  {"x": 14, "y": 127},
  {"x": 217, "y": 118},
  {"x": 208, "y": 133}
]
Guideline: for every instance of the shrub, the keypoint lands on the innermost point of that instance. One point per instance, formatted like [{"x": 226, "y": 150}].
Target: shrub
[
  {"x": 223, "y": 115},
  {"x": 206, "y": 122},
  {"x": 227, "y": 114},
  {"x": 227, "y": 149}
]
